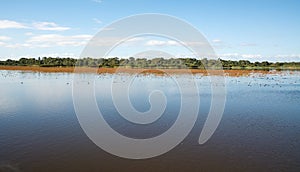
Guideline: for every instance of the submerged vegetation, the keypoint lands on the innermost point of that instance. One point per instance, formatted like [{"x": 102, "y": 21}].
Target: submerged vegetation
[{"x": 172, "y": 63}]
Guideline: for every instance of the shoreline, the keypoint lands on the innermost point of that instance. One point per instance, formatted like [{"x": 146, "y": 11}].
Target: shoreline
[{"x": 228, "y": 72}]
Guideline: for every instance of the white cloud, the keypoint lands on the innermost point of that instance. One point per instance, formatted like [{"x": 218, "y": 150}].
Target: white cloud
[
  {"x": 50, "y": 40},
  {"x": 247, "y": 44},
  {"x": 108, "y": 28},
  {"x": 97, "y": 1},
  {"x": 104, "y": 29},
  {"x": 8, "y": 24},
  {"x": 18, "y": 45},
  {"x": 250, "y": 56},
  {"x": 285, "y": 57},
  {"x": 97, "y": 21},
  {"x": 150, "y": 54},
  {"x": 61, "y": 55},
  {"x": 161, "y": 43},
  {"x": 135, "y": 39},
  {"x": 48, "y": 26},
  {"x": 219, "y": 44},
  {"x": 29, "y": 34},
  {"x": 3, "y": 41},
  {"x": 237, "y": 56},
  {"x": 5, "y": 38},
  {"x": 109, "y": 41},
  {"x": 217, "y": 41},
  {"x": 155, "y": 43},
  {"x": 259, "y": 57}
]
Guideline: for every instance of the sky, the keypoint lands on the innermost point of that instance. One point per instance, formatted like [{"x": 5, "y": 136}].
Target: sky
[{"x": 255, "y": 30}]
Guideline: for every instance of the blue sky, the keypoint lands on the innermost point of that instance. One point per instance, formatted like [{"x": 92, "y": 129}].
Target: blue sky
[{"x": 256, "y": 30}]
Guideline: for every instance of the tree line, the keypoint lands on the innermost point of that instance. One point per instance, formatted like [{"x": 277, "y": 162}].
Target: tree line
[{"x": 172, "y": 63}]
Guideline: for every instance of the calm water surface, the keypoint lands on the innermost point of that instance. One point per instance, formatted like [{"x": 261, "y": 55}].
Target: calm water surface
[{"x": 259, "y": 131}]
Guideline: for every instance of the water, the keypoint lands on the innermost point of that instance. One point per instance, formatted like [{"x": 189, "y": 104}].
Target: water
[{"x": 259, "y": 130}]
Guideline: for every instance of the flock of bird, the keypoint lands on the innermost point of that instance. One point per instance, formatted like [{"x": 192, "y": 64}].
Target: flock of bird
[{"x": 259, "y": 80}]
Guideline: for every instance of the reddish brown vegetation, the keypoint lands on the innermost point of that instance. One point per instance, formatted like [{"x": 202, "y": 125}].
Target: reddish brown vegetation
[{"x": 131, "y": 71}]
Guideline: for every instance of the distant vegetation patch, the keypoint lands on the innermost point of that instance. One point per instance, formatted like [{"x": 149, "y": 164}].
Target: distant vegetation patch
[{"x": 172, "y": 63}]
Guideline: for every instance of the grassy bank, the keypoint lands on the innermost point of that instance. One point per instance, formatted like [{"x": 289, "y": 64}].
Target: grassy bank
[{"x": 231, "y": 72}]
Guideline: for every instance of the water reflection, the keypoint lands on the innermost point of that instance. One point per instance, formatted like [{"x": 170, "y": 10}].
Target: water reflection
[{"x": 259, "y": 131}]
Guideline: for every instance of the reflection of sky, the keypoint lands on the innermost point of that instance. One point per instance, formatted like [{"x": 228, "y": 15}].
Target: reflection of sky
[
  {"x": 21, "y": 91},
  {"x": 261, "y": 118}
]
